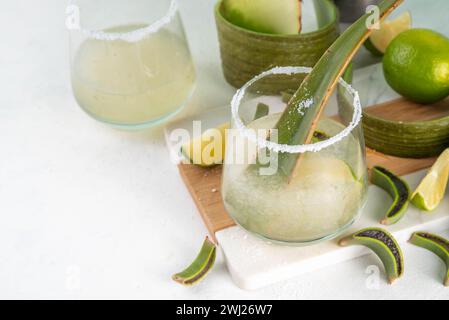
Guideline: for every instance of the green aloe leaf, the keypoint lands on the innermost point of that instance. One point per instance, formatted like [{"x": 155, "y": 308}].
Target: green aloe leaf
[
  {"x": 397, "y": 188},
  {"x": 435, "y": 244},
  {"x": 199, "y": 268},
  {"x": 384, "y": 245},
  {"x": 298, "y": 122}
]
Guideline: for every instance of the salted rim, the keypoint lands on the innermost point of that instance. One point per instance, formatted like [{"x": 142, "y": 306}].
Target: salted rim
[
  {"x": 135, "y": 35},
  {"x": 275, "y": 147}
]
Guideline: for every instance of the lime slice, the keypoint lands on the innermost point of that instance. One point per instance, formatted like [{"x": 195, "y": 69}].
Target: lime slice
[
  {"x": 380, "y": 39},
  {"x": 435, "y": 244},
  {"x": 431, "y": 190},
  {"x": 209, "y": 149}
]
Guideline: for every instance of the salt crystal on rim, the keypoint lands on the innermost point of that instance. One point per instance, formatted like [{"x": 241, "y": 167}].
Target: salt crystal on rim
[
  {"x": 284, "y": 148},
  {"x": 135, "y": 35}
]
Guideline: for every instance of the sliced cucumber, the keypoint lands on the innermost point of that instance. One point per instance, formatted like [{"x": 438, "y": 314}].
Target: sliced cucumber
[{"x": 265, "y": 16}]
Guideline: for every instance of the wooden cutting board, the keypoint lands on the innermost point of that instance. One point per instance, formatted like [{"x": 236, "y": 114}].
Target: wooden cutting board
[
  {"x": 254, "y": 263},
  {"x": 204, "y": 183}
]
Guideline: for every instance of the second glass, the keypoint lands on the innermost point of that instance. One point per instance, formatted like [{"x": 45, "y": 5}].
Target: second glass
[
  {"x": 131, "y": 65},
  {"x": 328, "y": 191}
]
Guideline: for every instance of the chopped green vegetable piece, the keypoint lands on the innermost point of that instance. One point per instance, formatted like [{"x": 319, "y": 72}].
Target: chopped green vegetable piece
[
  {"x": 435, "y": 244},
  {"x": 200, "y": 267},
  {"x": 384, "y": 245},
  {"x": 319, "y": 136},
  {"x": 397, "y": 188}
]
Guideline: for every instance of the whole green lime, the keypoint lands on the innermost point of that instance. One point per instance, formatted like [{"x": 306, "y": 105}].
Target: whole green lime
[{"x": 416, "y": 65}]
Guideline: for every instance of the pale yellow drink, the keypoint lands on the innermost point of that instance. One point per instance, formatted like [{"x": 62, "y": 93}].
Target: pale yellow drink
[
  {"x": 323, "y": 198},
  {"x": 133, "y": 83}
]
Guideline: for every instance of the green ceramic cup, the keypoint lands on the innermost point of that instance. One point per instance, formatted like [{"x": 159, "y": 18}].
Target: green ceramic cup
[{"x": 245, "y": 53}]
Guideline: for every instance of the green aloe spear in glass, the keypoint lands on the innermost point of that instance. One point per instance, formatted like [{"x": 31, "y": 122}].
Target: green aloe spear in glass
[{"x": 299, "y": 120}]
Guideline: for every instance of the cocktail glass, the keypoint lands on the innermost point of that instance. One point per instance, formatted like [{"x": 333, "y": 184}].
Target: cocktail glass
[
  {"x": 326, "y": 194},
  {"x": 130, "y": 61}
]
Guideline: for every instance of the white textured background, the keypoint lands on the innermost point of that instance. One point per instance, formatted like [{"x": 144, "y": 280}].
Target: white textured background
[{"x": 91, "y": 212}]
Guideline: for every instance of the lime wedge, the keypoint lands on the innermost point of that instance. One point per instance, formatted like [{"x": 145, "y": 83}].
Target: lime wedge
[
  {"x": 379, "y": 40},
  {"x": 432, "y": 188},
  {"x": 435, "y": 244},
  {"x": 209, "y": 149}
]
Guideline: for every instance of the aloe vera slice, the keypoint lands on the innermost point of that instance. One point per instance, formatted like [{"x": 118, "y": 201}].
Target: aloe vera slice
[
  {"x": 435, "y": 244},
  {"x": 384, "y": 245},
  {"x": 266, "y": 16},
  {"x": 297, "y": 124},
  {"x": 261, "y": 111},
  {"x": 199, "y": 267},
  {"x": 397, "y": 188}
]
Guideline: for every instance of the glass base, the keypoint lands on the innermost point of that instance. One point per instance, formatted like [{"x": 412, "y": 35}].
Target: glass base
[
  {"x": 301, "y": 243},
  {"x": 311, "y": 242}
]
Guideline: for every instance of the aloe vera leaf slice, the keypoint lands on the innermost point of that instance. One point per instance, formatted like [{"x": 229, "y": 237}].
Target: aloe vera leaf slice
[
  {"x": 431, "y": 190},
  {"x": 194, "y": 150},
  {"x": 298, "y": 122},
  {"x": 384, "y": 246},
  {"x": 435, "y": 244},
  {"x": 261, "y": 111},
  {"x": 319, "y": 136},
  {"x": 265, "y": 16},
  {"x": 397, "y": 188},
  {"x": 199, "y": 267}
]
